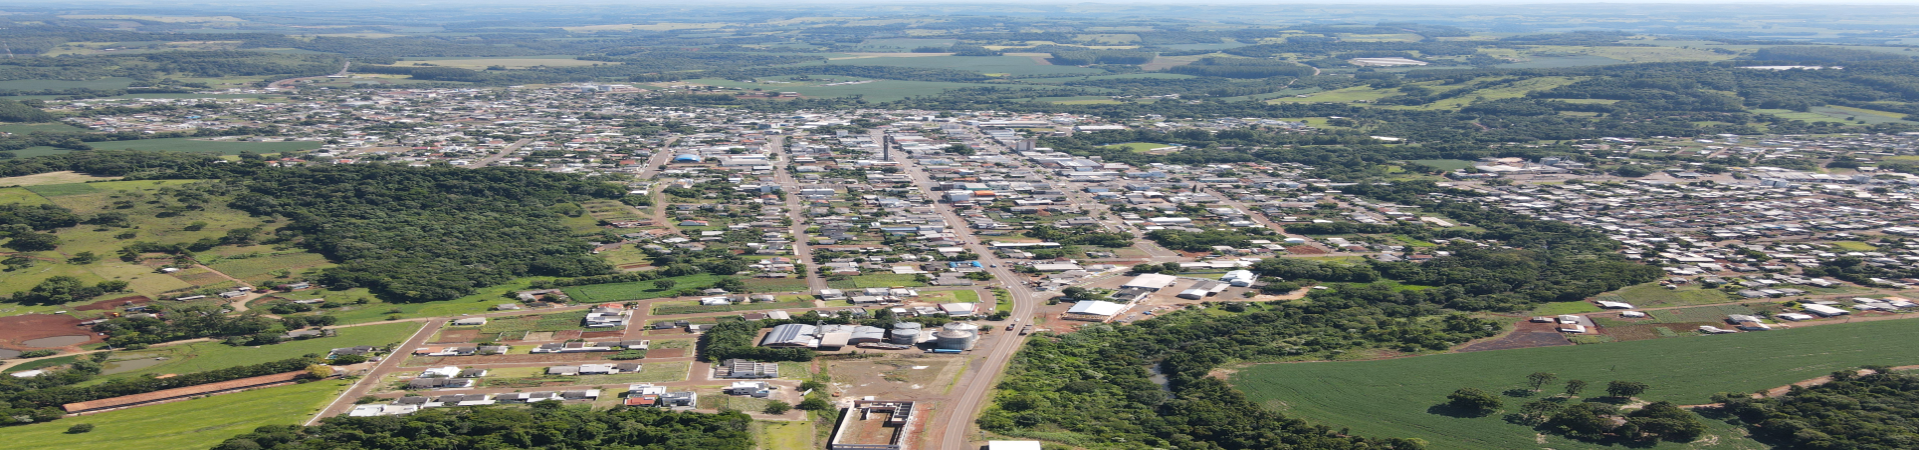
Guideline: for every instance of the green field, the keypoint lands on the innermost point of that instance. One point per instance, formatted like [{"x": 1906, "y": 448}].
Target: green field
[
  {"x": 876, "y": 280},
  {"x": 1558, "y": 308},
  {"x": 481, "y": 301},
  {"x": 1852, "y": 246},
  {"x": 260, "y": 270},
  {"x": 636, "y": 290},
  {"x": 184, "y": 145},
  {"x": 694, "y": 307},
  {"x": 35, "y": 85},
  {"x": 190, "y": 424},
  {"x": 1713, "y": 313},
  {"x": 1555, "y": 62},
  {"x": 1009, "y": 65},
  {"x": 1390, "y": 398},
  {"x": 1651, "y": 295},
  {"x": 205, "y": 356},
  {"x": 777, "y": 284},
  {"x": 1128, "y": 76},
  {"x": 878, "y": 90},
  {"x": 1444, "y": 164},
  {"x": 532, "y": 322},
  {"x": 41, "y": 363},
  {"x": 1347, "y": 95}
]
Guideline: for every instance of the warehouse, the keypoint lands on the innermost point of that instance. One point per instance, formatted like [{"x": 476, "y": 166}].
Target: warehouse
[
  {"x": 1152, "y": 281},
  {"x": 1093, "y": 310}
]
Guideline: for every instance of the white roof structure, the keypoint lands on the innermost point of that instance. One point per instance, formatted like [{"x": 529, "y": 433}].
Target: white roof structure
[
  {"x": 1096, "y": 308},
  {"x": 1150, "y": 281}
]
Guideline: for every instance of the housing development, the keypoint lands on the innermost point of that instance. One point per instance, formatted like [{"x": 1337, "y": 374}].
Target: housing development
[{"x": 665, "y": 260}]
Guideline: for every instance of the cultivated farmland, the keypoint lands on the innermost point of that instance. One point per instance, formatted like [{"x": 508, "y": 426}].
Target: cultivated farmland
[
  {"x": 1390, "y": 398},
  {"x": 198, "y": 423}
]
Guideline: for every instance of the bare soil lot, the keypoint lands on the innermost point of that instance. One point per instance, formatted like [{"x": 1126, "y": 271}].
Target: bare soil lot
[
  {"x": 17, "y": 330},
  {"x": 1525, "y": 335},
  {"x": 107, "y": 305}
]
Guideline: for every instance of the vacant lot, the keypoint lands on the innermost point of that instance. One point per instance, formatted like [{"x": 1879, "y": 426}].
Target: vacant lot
[
  {"x": 207, "y": 356},
  {"x": 876, "y": 280},
  {"x": 575, "y": 320},
  {"x": 1651, "y": 295},
  {"x": 694, "y": 307},
  {"x": 198, "y": 423},
  {"x": 270, "y": 269},
  {"x": 61, "y": 177},
  {"x": 1392, "y": 397},
  {"x": 637, "y": 290},
  {"x": 510, "y": 63}
]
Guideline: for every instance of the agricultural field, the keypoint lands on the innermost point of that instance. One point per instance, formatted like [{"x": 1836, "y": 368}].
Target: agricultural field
[
  {"x": 61, "y": 177},
  {"x": 1515, "y": 90},
  {"x": 510, "y": 63},
  {"x": 1347, "y": 95},
  {"x": 1005, "y": 65},
  {"x": 205, "y": 356},
  {"x": 197, "y": 423},
  {"x": 479, "y": 302},
  {"x": 876, "y": 280},
  {"x": 36, "y": 85},
  {"x": 184, "y": 145},
  {"x": 1391, "y": 398},
  {"x": 1556, "y": 62}
]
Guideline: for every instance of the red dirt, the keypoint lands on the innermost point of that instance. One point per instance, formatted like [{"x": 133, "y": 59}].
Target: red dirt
[
  {"x": 666, "y": 352},
  {"x": 1525, "y": 335},
  {"x": 566, "y": 334},
  {"x": 457, "y": 336},
  {"x": 107, "y": 305},
  {"x": 17, "y": 329},
  {"x": 1305, "y": 250},
  {"x": 600, "y": 334}
]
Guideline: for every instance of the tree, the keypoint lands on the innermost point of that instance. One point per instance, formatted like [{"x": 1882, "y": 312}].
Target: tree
[
  {"x": 83, "y": 258},
  {"x": 1146, "y": 268},
  {"x": 979, "y": 276},
  {"x": 34, "y": 242},
  {"x": 343, "y": 360},
  {"x": 814, "y": 404},
  {"x": 664, "y": 284},
  {"x": 319, "y": 371},
  {"x": 1474, "y": 401},
  {"x": 1575, "y": 386},
  {"x": 1624, "y": 389},
  {"x": 811, "y": 385},
  {"x": 1539, "y": 379},
  {"x": 1537, "y": 411},
  {"x": 777, "y": 407}
]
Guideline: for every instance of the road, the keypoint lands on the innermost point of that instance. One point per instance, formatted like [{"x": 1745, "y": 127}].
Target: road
[
  {"x": 360, "y": 387},
  {"x": 783, "y": 175},
  {"x": 283, "y": 84},
  {"x": 970, "y": 393},
  {"x": 490, "y": 159}
]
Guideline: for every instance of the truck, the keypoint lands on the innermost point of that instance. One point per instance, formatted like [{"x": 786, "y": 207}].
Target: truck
[{"x": 1026, "y": 329}]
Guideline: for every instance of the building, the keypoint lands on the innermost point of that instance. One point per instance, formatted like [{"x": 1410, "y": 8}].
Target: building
[
  {"x": 873, "y": 425},
  {"x": 1238, "y": 278},
  {"x": 1823, "y": 310},
  {"x": 1150, "y": 281},
  {"x": 470, "y": 321},
  {"x": 1093, "y": 310},
  {"x": 792, "y": 335},
  {"x": 741, "y": 368}
]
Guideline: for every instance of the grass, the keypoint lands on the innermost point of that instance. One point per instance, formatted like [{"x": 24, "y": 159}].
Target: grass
[
  {"x": 198, "y": 423},
  {"x": 61, "y": 190},
  {"x": 260, "y": 270},
  {"x": 783, "y": 435},
  {"x": 205, "y": 356},
  {"x": 636, "y": 290},
  {"x": 537, "y": 377},
  {"x": 1855, "y": 246},
  {"x": 1555, "y": 309},
  {"x": 1715, "y": 313},
  {"x": 18, "y": 195},
  {"x": 62, "y": 177},
  {"x": 1443, "y": 164},
  {"x": 1392, "y": 397},
  {"x": 1347, "y": 95},
  {"x": 1651, "y": 295},
  {"x": 481, "y": 301},
  {"x": 694, "y": 307},
  {"x": 42, "y": 363},
  {"x": 184, "y": 145},
  {"x": 877, "y": 90},
  {"x": 777, "y": 284},
  {"x": 1555, "y": 62},
  {"x": 510, "y": 63},
  {"x": 36, "y": 85},
  {"x": 718, "y": 400},
  {"x": 876, "y": 280},
  {"x": 535, "y": 322}
]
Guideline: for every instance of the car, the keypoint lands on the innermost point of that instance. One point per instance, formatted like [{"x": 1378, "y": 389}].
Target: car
[
  {"x": 1009, "y": 327},
  {"x": 995, "y": 265}
]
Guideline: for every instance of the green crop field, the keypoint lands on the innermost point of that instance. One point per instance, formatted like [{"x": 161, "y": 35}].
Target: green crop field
[
  {"x": 877, "y": 90},
  {"x": 876, "y": 280},
  {"x": 1852, "y": 246},
  {"x": 1651, "y": 295},
  {"x": 190, "y": 424},
  {"x": 1010, "y": 65},
  {"x": 1390, "y": 398},
  {"x": 1128, "y": 76},
  {"x": 636, "y": 290},
  {"x": 479, "y": 302},
  {"x": 184, "y": 145},
  {"x": 1713, "y": 313},
  {"x": 1340, "y": 95},
  {"x": 18, "y": 195},
  {"x": 1555, "y": 62},
  {"x": 205, "y": 356},
  {"x": 59, "y": 190}
]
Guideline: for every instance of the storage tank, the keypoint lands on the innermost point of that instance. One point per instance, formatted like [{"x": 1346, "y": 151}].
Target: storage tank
[
  {"x": 905, "y": 333},
  {"x": 957, "y": 336}
]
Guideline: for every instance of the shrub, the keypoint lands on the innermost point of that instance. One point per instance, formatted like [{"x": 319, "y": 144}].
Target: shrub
[
  {"x": 80, "y": 428},
  {"x": 777, "y": 407}
]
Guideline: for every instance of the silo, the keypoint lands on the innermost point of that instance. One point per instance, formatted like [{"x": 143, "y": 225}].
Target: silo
[
  {"x": 905, "y": 333},
  {"x": 956, "y": 336}
]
